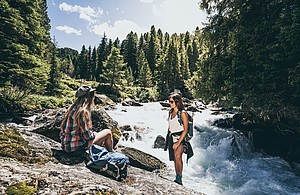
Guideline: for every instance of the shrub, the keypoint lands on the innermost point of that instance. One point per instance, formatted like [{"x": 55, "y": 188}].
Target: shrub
[{"x": 11, "y": 99}]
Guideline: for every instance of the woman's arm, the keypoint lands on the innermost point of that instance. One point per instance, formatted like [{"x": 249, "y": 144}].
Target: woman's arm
[{"x": 86, "y": 129}]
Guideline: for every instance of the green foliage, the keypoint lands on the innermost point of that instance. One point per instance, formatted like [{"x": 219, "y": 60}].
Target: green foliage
[
  {"x": 145, "y": 74},
  {"x": 128, "y": 76},
  {"x": 102, "y": 52},
  {"x": 50, "y": 102},
  {"x": 140, "y": 93},
  {"x": 68, "y": 58},
  {"x": 152, "y": 52},
  {"x": 20, "y": 188},
  {"x": 11, "y": 99},
  {"x": 112, "y": 93},
  {"x": 14, "y": 99},
  {"x": 130, "y": 53},
  {"x": 114, "y": 66},
  {"x": 54, "y": 81},
  {"x": 251, "y": 57},
  {"x": 24, "y": 40}
]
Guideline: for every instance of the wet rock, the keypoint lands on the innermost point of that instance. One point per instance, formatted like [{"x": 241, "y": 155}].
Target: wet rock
[
  {"x": 193, "y": 109},
  {"x": 130, "y": 102},
  {"x": 125, "y": 128},
  {"x": 126, "y": 136},
  {"x": 223, "y": 123},
  {"x": 159, "y": 142},
  {"x": 165, "y": 103},
  {"x": 125, "y": 104}
]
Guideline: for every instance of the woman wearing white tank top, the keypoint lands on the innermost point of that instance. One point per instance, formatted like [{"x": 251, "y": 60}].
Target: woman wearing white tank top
[{"x": 180, "y": 131}]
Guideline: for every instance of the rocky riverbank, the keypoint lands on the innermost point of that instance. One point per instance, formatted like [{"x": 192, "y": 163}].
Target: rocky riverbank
[{"x": 34, "y": 163}]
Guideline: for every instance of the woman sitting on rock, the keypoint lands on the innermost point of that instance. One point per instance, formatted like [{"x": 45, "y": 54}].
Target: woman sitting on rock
[{"x": 76, "y": 133}]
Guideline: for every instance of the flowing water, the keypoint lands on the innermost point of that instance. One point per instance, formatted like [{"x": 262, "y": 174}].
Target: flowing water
[{"x": 223, "y": 161}]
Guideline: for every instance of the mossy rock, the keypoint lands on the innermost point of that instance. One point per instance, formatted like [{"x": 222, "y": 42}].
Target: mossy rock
[
  {"x": 20, "y": 189},
  {"x": 13, "y": 145}
]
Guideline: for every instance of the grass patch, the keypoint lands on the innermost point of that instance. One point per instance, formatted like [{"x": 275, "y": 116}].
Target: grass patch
[{"x": 20, "y": 188}]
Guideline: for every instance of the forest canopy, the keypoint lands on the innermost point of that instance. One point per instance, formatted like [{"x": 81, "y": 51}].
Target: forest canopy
[{"x": 247, "y": 55}]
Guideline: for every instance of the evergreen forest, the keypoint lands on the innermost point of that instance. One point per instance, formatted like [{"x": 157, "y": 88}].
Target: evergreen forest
[{"x": 247, "y": 55}]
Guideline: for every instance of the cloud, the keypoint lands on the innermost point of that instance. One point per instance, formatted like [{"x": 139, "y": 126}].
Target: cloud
[
  {"x": 186, "y": 14},
  {"x": 146, "y": 1},
  {"x": 68, "y": 30},
  {"x": 120, "y": 29},
  {"x": 86, "y": 13}
]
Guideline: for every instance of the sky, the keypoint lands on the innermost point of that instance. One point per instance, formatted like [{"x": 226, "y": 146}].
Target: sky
[{"x": 83, "y": 22}]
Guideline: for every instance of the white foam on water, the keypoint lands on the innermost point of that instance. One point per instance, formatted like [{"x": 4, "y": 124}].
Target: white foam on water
[{"x": 217, "y": 167}]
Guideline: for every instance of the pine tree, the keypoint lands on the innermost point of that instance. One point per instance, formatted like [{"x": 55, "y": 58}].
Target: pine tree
[
  {"x": 184, "y": 65},
  {"x": 83, "y": 63},
  {"x": 114, "y": 68},
  {"x": 130, "y": 52},
  {"x": 24, "y": 37},
  {"x": 174, "y": 78},
  {"x": 93, "y": 65},
  {"x": 145, "y": 75},
  {"x": 128, "y": 76},
  {"x": 55, "y": 74},
  {"x": 89, "y": 63},
  {"x": 152, "y": 51},
  {"x": 102, "y": 51}
]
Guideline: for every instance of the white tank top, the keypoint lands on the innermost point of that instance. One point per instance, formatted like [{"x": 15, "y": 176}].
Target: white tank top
[{"x": 174, "y": 125}]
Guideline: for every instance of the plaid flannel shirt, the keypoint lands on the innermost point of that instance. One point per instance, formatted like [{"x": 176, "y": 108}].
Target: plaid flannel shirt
[{"x": 73, "y": 138}]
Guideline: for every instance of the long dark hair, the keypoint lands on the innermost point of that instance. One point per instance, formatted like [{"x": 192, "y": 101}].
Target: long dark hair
[{"x": 178, "y": 100}]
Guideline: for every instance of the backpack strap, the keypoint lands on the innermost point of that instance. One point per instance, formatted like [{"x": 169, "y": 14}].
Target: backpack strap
[{"x": 179, "y": 117}]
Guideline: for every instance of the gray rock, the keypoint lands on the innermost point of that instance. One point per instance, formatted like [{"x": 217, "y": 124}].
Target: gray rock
[
  {"x": 130, "y": 102},
  {"x": 102, "y": 99},
  {"x": 159, "y": 142},
  {"x": 53, "y": 177},
  {"x": 142, "y": 160}
]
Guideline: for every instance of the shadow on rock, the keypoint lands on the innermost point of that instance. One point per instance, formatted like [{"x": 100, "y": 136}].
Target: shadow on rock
[{"x": 66, "y": 158}]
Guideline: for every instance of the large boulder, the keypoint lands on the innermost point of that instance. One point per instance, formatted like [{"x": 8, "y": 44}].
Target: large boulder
[
  {"x": 142, "y": 160},
  {"x": 103, "y": 100}
]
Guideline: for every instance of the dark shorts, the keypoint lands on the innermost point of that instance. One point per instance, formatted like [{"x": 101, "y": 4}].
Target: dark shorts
[{"x": 80, "y": 151}]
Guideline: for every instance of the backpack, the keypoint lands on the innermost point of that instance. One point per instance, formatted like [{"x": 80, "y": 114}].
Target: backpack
[
  {"x": 112, "y": 164},
  {"x": 190, "y": 133}
]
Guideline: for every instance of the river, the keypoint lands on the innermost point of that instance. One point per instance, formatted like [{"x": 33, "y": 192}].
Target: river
[{"x": 223, "y": 162}]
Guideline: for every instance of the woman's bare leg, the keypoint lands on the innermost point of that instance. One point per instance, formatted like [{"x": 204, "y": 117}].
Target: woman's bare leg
[
  {"x": 178, "y": 159},
  {"x": 104, "y": 137}
]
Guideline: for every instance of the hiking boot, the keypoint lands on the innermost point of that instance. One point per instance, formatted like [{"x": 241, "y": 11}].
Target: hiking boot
[{"x": 178, "y": 179}]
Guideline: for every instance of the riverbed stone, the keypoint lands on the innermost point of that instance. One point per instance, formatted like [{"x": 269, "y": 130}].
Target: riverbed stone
[
  {"x": 142, "y": 160},
  {"x": 159, "y": 142}
]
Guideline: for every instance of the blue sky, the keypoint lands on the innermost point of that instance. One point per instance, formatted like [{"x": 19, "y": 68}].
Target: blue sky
[{"x": 83, "y": 22}]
